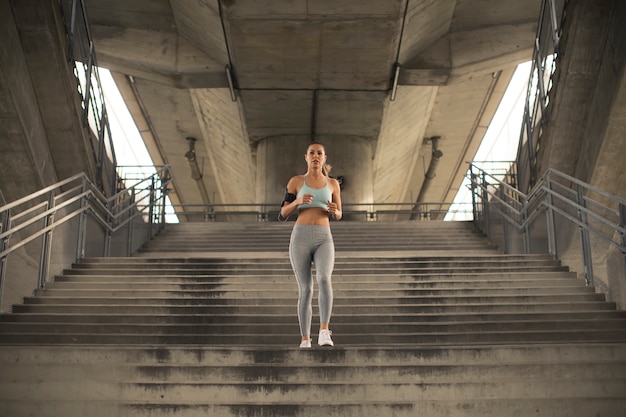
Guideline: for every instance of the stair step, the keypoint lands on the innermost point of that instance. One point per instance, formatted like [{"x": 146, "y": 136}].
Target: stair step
[
  {"x": 338, "y": 309},
  {"x": 340, "y": 264},
  {"x": 342, "y": 283},
  {"x": 342, "y": 258},
  {"x": 288, "y": 355},
  {"x": 287, "y": 270},
  {"x": 346, "y": 301},
  {"x": 302, "y": 373},
  {"x": 583, "y": 406},
  {"x": 339, "y": 292},
  {"x": 423, "y": 279},
  {"x": 268, "y": 393},
  {"x": 344, "y": 328},
  {"x": 352, "y": 339},
  {"x": 362, "y": 319}
]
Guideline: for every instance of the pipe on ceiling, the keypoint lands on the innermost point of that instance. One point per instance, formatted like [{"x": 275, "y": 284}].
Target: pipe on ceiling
[
  {"x": 436, "y": 155},
  {"x": 196, "y": 173}
]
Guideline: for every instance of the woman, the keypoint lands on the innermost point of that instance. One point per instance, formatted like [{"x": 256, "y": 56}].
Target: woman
[{"x": 317, "y": 198}]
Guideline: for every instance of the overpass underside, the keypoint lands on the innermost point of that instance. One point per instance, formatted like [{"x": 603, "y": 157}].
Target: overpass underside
[{"x": 254, "y": 84}]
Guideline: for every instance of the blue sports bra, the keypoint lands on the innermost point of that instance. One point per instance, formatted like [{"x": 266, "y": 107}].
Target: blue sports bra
[{"x": 320, "y": 196}]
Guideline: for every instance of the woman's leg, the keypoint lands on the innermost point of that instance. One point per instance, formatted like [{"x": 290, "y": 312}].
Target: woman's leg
[
  {"x": 324, "y": 258},
  {"x": 300, "y": 257}
]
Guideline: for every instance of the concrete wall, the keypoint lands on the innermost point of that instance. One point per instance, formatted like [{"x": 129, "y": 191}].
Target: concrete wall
[
  {"x": 42, "y": 137},
  {"x": 586, "y": 89},
  {"x": 586, "y": 132},
  {"x": 226, "y": 144},
  {"x": 26, "y": 163}
]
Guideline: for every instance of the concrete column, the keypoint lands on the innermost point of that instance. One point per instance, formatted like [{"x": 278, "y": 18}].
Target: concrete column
[
  {"x": 586, "y": 84},
  {"x": 279, "y": 158}
]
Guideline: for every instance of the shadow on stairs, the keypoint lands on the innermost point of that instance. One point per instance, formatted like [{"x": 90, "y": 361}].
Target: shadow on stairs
[{"x": 429, "y": 320}]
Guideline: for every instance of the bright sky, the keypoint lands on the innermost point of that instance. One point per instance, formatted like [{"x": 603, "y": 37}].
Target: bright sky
[
  {"x": 501, "y": 139},
  {"x": 129, "y": 146},
  {"x": 500, "y": 142},
  {"x": 130, "y": 151}
]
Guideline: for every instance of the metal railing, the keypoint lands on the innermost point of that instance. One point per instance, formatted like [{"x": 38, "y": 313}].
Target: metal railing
[
  {"x": 43, "y": 233},
  {"x": 544, "y": 64},
  {"x": 573, "y": 221},
  {"x": 81, "y": 56},
  {"x": 371, "y": 212}
]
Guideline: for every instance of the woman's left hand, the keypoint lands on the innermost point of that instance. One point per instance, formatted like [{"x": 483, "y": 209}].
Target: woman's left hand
[{"x": 332, "y": 207}]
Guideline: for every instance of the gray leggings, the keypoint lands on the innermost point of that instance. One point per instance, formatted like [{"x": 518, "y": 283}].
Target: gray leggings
[{"x": 310, "y": 243}]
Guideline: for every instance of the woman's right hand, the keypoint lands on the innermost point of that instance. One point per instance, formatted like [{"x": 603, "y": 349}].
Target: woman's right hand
[{"x": 306, "y": 199}]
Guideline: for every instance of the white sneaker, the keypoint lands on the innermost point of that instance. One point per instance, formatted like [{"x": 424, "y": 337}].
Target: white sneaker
[
  {"x": 305, "y": 344},
  {"x": 324, "y": 338}
]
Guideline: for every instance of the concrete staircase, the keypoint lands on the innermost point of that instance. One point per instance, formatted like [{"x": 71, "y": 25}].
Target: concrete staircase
[{"x": 429, "y": 320}]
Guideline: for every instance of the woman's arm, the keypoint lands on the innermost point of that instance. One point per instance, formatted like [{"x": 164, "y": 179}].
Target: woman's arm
[
  {"x": 334, "y": 206},
  {"x": 290, "y": 202}
]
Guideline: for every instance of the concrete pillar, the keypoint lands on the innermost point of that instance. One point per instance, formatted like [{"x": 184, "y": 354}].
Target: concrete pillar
[
  {"x": 279, "y": 158},
  {"x": 352, "y": 159},
  {"x": 586, "y": 84}
]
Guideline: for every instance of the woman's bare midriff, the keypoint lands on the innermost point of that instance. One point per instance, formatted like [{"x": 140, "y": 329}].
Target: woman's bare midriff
[{"x": 313, "y": 216}]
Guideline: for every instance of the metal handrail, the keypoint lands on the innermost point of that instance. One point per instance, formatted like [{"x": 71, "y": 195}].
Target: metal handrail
[
  {"x": 364, "y": 211},
  {"x": 598, "y": 216},
  {"x": 74, "y": 199},
  {"x": 547, "y": 49},
  {"x": 81, "y": 55},
  {"x": 543, "y": 187}
]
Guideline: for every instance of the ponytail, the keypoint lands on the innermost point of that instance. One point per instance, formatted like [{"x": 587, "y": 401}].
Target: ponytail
[{"x": 326, "y": 169}]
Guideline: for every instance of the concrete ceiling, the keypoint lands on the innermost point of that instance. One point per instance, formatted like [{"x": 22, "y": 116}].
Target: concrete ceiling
[{"x": 233, "y": 73}]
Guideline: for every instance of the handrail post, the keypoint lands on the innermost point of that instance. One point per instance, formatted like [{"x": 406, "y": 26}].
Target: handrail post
[
  {"x": 101, "y": 147},
  {"x": 485, "y": 204},
  {"x": 87, "y": 92},
  {"x": 163, "y": 188},
  {"x": 505, "y": 234},
  {"x": 151, "y": 209},
  {"x": 129, "y": 245},
  {"x": 131, "y": 224},
  {"x": 550, "y": 223},
  {"x": 44, "y": 261},
  {"x": 82, "y": 223},
  {"x": 70, "y": 33},
  {"x": 554, "y": 25},
  {"x": 584, "y": 237},
  {"x": 162, "y": 205},
  {"x": 527, "y": 239},
  {"x": 5, "y": 223},
  {"x": 107, "y": 231},
  {"x": 473, "y": 192},
  {"x": 622, "y": 223}
]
